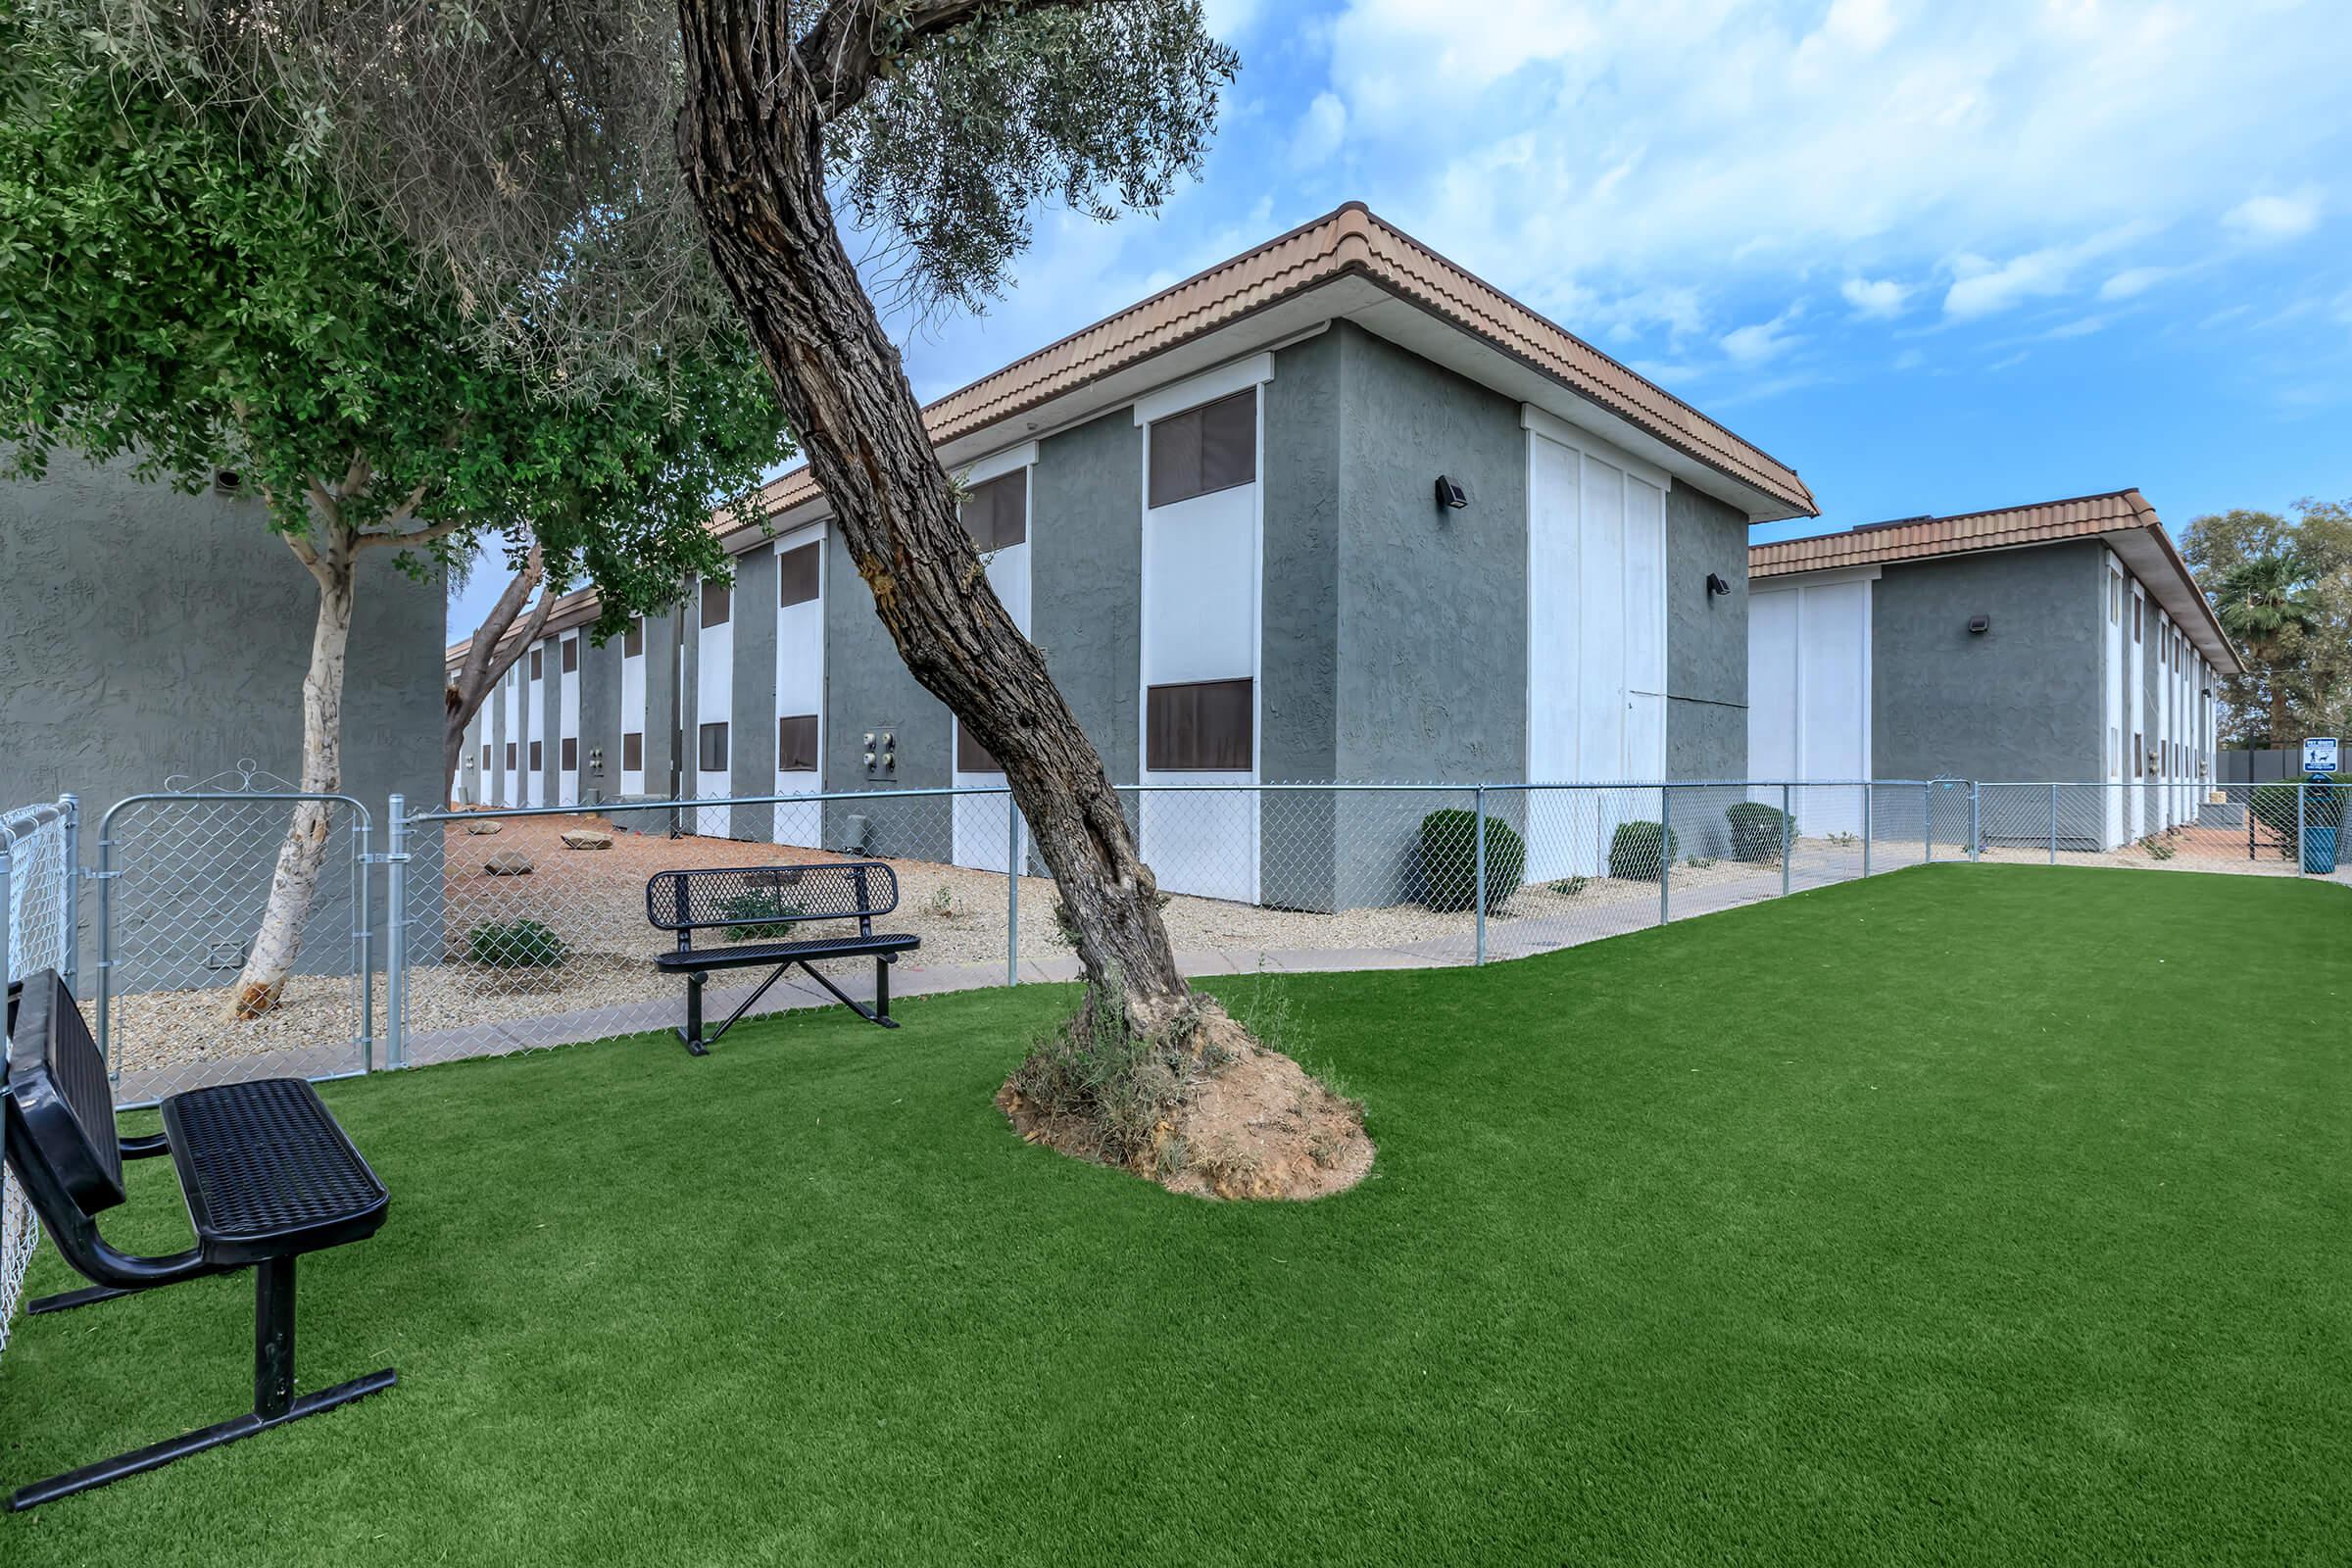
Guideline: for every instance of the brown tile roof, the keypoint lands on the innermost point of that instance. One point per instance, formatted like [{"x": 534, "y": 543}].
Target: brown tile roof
[
  {"x": 2116, "y": 516},
  {"x": 1349, "y": 241}
]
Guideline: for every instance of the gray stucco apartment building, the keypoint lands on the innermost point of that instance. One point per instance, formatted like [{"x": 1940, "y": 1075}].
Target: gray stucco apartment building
[
  {"x": 2060, "y": 642},
  {"x": 1334, "y": 510}
]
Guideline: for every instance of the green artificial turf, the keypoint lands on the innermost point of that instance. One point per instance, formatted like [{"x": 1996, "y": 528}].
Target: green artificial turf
[{"x": 1989, "y": 1214}]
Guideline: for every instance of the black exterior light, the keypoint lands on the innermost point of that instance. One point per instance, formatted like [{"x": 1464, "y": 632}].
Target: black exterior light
[
  {"x": 1451, "y": 497},
  {"x": 1979, "y": 626},
  {"x": 1716, "y": 586}
]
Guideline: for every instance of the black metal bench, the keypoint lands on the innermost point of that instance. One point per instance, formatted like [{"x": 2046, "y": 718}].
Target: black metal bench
[
  {"x": 770, "y": 901},
  {"x": 268, "y": 1175}
]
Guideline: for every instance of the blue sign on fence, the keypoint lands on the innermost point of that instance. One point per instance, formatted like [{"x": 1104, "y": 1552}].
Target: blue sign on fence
[{"x": 2320, "y": 754}]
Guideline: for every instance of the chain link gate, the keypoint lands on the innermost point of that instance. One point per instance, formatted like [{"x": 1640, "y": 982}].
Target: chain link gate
[
  {"x": 183, "y": 879},
  {"x": 38, "y": 926}
]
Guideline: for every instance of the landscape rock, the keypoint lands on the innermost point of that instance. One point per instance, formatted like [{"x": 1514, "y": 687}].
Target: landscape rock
[
  {"x": 513, "y": 862},
  {"x": 582, "y": 839},
  {"x": 485, "y": 827}
]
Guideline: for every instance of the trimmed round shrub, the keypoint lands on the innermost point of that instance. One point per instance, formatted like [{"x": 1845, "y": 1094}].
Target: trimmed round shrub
[
  {"x": 1634, "y": 851},
  {"x": 1449, "y": 860},
  {"x": 1757, "y": 830},
  {"x": 515, "y": 944},
  {"x": 774, "y": 918}
]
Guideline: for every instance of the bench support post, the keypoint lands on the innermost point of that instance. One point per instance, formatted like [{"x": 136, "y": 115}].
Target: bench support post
[
  {"x": 275, "y": 1402},
  {"x": 695, "y": 1045},
  {"x": 882, "y": 990}
]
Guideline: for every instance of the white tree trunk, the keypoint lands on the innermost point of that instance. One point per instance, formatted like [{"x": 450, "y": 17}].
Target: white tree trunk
[{"x": 294, "y": 885}]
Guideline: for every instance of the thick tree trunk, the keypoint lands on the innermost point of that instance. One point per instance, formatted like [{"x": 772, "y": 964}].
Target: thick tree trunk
[
  {"x": 486, "y": 664},
  {"x": 751, "y": 146},
  {"x": 294, "y": 884}
]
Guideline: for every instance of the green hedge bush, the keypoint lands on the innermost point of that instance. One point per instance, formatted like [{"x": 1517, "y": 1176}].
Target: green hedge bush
[
  {"x": 515, "y": 944},
  {"x": 1449, "y": 860},
  {"x": 1634, "y": 851},
  {"x": 1757, "y": 830}
]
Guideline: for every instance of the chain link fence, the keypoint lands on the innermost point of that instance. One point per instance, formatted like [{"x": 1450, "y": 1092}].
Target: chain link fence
[
  {"x": 37, "y": 927},
  {"x": 2271, "y": 829}
]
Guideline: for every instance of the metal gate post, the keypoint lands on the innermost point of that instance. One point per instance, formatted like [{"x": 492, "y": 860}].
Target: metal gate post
[
  {"x": 1012, "y": 892},
  {"x": 73, "y": 912},
  {"x": 8, "y": 918},
  {"x": 1478, "y": 861},
  {"x": 1976, "y": 819},
  {"x": 1927, "y": 822},
  {"x": 1787, "y": 835},
  {"x": 1869, "y": 794},
  {"x": 104, "y": 875},
  {"x": 396, "y": 932},
  {"x": 2054, "y": 822},
  {"x": 363, "y": 936},
  {"x": 2298, "y": 849},
  {"x": 1665, "y": 852}
]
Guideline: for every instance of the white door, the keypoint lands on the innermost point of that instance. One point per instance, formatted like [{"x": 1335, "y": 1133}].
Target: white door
[
  {"x": 714, "y": 706},
  {"x": 1200, "y": 630},
  {"x": 1597, "y": 642},
  {"x": 800, "y": 685},
  {"x": 632, "y": 708},
  {"x": 996, "y": 512},
  {"x": 1808, "y": 696}
]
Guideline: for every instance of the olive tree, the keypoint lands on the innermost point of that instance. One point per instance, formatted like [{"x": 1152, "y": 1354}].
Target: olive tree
[{"x": 179, "y": 282}]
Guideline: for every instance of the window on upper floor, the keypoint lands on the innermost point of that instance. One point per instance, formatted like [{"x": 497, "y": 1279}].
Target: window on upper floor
[
  {"x": 535, "y": 656},
  {"x": 1211, "y": 447},
  {"x": 719, "y": 601},
  {"x": 538, "y": 756},
  {"x": 1200, "y": 726},
  {"x": 510, "y": 757},
  {"x": 796, "y": 575},
  {"x": 711, "y": 756},
  {"x": 571, "y": 655},
  {"x": 996, "y": 513},
  {"x": 632, "y": 642},
  {"x": 572, "y": 754}
]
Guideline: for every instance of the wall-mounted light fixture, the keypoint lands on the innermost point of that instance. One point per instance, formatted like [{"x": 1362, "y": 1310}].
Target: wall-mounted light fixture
[
  {"x": 1979, "y": 626},
  {"x": 1716, "y": 586},
  {"x": 1450, "y": 496}
]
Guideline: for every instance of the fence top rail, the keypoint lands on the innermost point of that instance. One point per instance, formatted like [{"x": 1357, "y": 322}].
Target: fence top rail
[
  {"x": 22, "y": 822},
  {"x": 285, "y": 796}
]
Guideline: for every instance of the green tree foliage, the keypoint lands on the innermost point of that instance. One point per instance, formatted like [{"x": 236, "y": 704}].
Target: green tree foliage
[{"x": 2282, "y": 587}]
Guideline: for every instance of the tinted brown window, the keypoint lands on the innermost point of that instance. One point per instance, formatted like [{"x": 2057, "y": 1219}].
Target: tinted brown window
[
  {"x": 996, "y": 513},
  {"x": 538, "y": 756},
  {"x": 2139, "y": 755},
  {"x": 510, "y": 757},
  {"x": 2139, "y": 607},
  {"x": 1213, "y": 447},
  {"x": 970, "y": 756},
  {"x": 536, "y": 653},
  {"x": 485, "y": 758},
  {"x": 632, "y": 642},
  {"x": 713, "y": 756},
  {"x": 718, "y": 600},
  {"x": 632, "y": 750},
  {"x": 796, "y": 744},
  {"x": 571, "y": 655},
  {"x": 1203, "y": 726},
  {"x": 572, "y": 754},
  {"x": 796, "y": 575}
]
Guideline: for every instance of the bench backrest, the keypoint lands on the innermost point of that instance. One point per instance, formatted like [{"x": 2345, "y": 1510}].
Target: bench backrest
[
  {"x": 61, "y": 1111},
  {"x": 686, "y": 901}
]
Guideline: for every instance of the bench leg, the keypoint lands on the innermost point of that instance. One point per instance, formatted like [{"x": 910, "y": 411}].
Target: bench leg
[
  {"x": 275, "y": 1402},
  {"x": 882, "y": 992},
  {"x": 692, "y": 1034},
  {"x": 67, "y": 1300}
]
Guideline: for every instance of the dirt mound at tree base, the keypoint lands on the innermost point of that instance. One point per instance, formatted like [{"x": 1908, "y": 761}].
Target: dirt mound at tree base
[{"x": 1256, "y": 1125}]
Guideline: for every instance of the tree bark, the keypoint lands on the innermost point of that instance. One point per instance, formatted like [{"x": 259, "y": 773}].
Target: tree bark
[
  {"x": 486, "y": 664},
  {"x": 751, "y": 147},
  {"x": 294, "y": 884}
]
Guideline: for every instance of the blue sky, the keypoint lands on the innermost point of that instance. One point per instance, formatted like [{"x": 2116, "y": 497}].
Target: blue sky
[{"x": 1938, "y": 257}]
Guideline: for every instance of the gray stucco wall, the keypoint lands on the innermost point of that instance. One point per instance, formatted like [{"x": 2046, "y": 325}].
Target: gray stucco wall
[
  {"x": 1431, "y": 605},
  {"x": 868, "y": 689},
  {"x": 662, "y": 654},
  {"x": 2019, "y": 701},
  {"x": 146, "y": 634},
  {"x": 1086, "y": 577},
  {"x": 1298, "y": 696},
  {"x": 599, "y": 719},
  {"x": 752, "y": 726},
  {"x": 1706, "y": 638}
]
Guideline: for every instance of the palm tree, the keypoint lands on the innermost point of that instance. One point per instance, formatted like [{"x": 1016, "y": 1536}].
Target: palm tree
[{"x": 2262, "y": 601}]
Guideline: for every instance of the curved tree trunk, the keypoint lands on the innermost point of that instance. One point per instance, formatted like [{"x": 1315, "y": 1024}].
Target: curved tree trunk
[
  {"x": 751, "y": 146},
  {"x": 485, "y": 665},
  {"x": 294, "y": 884}
]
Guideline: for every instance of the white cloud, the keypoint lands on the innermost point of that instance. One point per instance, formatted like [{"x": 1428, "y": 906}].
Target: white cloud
[
  {"x": 2264, "y": 220},
  {"x": 1760, "y": 341},
  {"x": 1985, "y": 288},
  {"x": 1321, "y": 131},
  {"x": 2132, "y": 281},
  {"x": 1875, "y": 299}
]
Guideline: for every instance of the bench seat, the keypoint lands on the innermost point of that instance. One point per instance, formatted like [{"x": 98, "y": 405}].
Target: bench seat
[
  {"x": 267, "y": 1171},
  {"x": 747, "y": 955}
]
